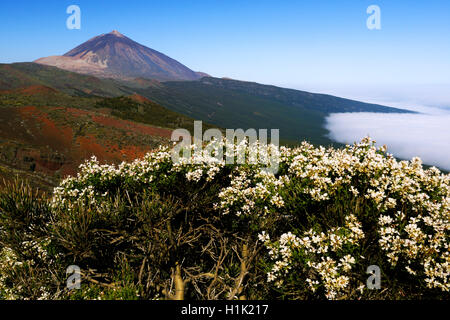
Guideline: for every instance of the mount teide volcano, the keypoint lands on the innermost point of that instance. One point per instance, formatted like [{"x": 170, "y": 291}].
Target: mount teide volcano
[{"x": 113, "y": 55}]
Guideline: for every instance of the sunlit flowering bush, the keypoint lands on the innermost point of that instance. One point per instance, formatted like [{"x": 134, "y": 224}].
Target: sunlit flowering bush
[
  {"x": 322, "y": 217},
  {"x": 158, "y": 170},
  {"x": 412, "y": 209},
  {"x": 326, "y": 257}
]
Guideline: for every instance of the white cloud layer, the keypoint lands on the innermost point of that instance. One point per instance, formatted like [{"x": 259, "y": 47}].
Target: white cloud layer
[{"x": 426, "y": 135}]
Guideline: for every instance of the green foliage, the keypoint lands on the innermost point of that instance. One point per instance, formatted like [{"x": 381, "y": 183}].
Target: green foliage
[
  {"x": 154, "y": 229},
  {"x": 20, "y": 75},
  {"x": 147, "y": 112},
  {"x": 56, "y": 99},
  {"x": 29, "y": 264},
  {"x": 299, "y": 115}
]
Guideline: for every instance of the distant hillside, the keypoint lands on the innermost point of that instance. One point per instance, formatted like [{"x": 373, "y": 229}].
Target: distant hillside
[
  {"x": 45, "y": 133},
  {"x": 21, "y": 75},
  {"x": 51, "y": 142},
  {"x": 236, "y": 104},
  {"x": 221, "y": 102},
  {"x": 140, "y": 109},
  {"x": 319, "y": 102}
]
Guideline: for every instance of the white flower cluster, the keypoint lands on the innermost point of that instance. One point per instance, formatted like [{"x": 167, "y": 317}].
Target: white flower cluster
[
  {"x": 251, "y": 191},
  {"x": 7, "y": 260},
  {"x": 93, "y": 181},
  {"x": 324, "y": 254},
  {"x": 421, "y": 242},
  {"x": 412, "y": 203},
  {"x": 12, "y": 263}
]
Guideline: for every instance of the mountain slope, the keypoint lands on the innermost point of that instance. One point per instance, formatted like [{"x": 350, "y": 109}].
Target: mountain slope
[
  {"x": 224, "y": 103},
  {"x": 116, "y": 56},
  {"x": 319, "y": 102},
  {"x": 51, "y": 120},
  {"x": 46, "y": 134},
  {"x": 236, "y": 104},
  {"x": 20, "y": 75},
  {"x": 52, "y": 141}
]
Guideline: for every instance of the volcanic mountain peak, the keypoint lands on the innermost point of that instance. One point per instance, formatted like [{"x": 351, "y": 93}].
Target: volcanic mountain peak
[
  {"x": 114, "y": 55},
  {"x": 116, "y": 33}
]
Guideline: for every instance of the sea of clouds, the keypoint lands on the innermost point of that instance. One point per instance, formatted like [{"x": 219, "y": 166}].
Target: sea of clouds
[{"x": 425, "y": 135}]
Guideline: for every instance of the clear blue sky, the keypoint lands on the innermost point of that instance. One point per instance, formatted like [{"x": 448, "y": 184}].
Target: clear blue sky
[{"x": 310, "y": 43}]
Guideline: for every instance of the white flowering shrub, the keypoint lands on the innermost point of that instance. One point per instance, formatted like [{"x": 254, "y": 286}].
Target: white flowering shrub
[
  {"x": 26, "y": 256},
  {"x": 308, "y": 230},
  {"x": 158, "y": 171},
  {"x": 327, "y": 257},
  {"x": 403, "y": 207}
]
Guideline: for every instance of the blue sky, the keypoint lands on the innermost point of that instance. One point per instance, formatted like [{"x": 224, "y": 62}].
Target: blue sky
[{"x": 312, "y": 44}]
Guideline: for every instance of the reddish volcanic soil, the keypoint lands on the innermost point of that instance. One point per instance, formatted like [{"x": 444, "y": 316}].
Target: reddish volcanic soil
[
  {"x": 55, "y": 140},
  {"x": 132, "y": 127},
  {"x": 37, "y": 89},
  {"x": 138, "y": 98},
  {"x": 31, "y": 90}
]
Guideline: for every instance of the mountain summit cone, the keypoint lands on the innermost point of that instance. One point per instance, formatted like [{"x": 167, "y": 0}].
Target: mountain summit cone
[{"x": 113, "y": 55}]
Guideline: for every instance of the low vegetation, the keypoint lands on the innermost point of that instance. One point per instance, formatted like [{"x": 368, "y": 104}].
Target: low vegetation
[{"x": 205, "y": 229}]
